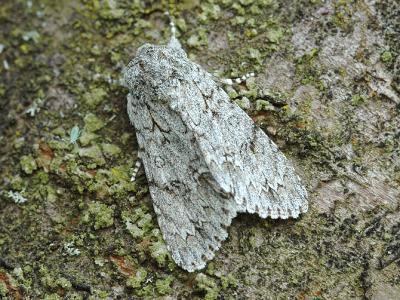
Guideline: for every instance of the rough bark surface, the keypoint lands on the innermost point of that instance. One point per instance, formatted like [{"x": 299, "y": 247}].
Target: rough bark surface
[{"x": 73, "y": 226}]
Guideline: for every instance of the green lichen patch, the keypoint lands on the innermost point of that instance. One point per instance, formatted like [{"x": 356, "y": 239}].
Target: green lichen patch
[
  {"x": 275, "y": 35},
  {"x": 111, "y": 150},
  {"x": 357, "y": 99},
  {"x": 229, "y": 281},
  {"x": 198, "y": 39},
  {"x": 92, "y": 123},
  {"x": 3, "y": 290},
  {"x": 99, "y": 215},
  {"x": 28, "y": 164},
  {"x": 386, "y": 57},
  {"x": 342, "y": 16},
  {"x": 109, "y": 10},
  {"x": 207, "y": 285},
  {"x": 139, "y": 222},
  {"x": 140, "y": 225},
  {"x": 94, "y": 97},
  {"x": 158, "y": 249},
  {"x": 53, "y": 297},
  {"x": 308, "y": 69},
  {"x": 87, "y": 138},
  {"x": 115, "y": 182},
  {"x": 264, "y": 105},
  {"x": 244, "y": 103},
  {"x": 136, "y": 280},
  {"x": 209, "y": 11},
  {"x": 94, "y": 153},
  {"x": 52, "y": 281},
  {"x": 163, "y": 286}
]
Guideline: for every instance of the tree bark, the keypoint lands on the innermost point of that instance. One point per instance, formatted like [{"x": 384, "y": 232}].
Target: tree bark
[{"x": 326, "y": 90}]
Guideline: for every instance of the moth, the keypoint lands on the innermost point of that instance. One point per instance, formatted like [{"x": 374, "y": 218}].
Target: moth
[{"x": 205, "y": 159}]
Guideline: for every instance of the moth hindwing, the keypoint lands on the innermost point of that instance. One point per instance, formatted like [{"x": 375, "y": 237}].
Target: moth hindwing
[{"x": 205, "y": 160}]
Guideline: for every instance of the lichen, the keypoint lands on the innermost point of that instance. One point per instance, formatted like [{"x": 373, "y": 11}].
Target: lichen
[
  {"x": 358, "y": 99},
  {"x": 243, "y": 102},
  {"x": 71, "y": 250},
  {"x": 94, "y": 97},
  {"x": 52, "y": 297},
  {"x": 87, "y": 138},
  {"x": 92, "y": 123},
  {"x": 140, "y": 219},
  {"x": 386, "y": 57},
  {"x": 264, "y": 105},
  {"x": 206, "y": 284},
  {"x": 229, "y": 281},
  {"x": 199, "y": 39},
  {"x": 135, "y": 281},
  {"x": 94, "y": 152},
  {"x": 28, "y": 164},
  {"x": 99, "y": 215},
  {"x": 3, "y": 290},
  {"x": 110, "y": 150},
  {"x": 17, "y": 197},
  {"x": 163, "y": 286},
  {"x": 158, "y": 249}
]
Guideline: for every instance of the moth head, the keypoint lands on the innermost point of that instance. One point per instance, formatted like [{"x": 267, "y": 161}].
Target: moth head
[
  {"x": 170, "y": 51},
  {"x": 155, "y": 65}
]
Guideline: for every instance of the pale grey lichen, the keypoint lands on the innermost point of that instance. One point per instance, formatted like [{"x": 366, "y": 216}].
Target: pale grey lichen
[
  {"x": 16, "y": 197},
  {"x": 71, "y": 250},
  {"x": 31, "y": 35}
]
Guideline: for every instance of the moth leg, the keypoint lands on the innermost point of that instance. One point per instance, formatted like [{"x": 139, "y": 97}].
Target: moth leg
[
  {"x": 109, "y": 80},
  {"x": 238, "y": 80},
  {"x": 138, "y": 164}
]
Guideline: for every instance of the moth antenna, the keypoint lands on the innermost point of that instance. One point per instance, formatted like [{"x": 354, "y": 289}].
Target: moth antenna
[
  {"x": 138, "y": 164},
  {"x": 173, "y": 42},
  {"x": 239, "y": 80}
]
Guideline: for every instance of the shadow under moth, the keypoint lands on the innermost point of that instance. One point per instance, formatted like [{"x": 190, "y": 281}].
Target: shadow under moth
[{"x": 205, "y": 160}]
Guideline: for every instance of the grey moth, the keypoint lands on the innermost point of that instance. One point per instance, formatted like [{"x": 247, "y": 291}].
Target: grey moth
[{"x": 204, "y": 158}]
